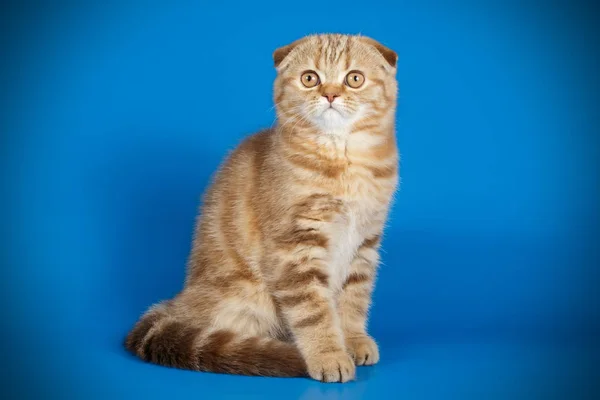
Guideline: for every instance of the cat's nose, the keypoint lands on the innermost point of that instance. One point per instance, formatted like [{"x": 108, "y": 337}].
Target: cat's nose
[{"x": 331, "y": 96}]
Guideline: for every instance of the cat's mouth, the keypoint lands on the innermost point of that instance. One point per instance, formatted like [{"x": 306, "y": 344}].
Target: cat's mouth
[{"x": 332, "y": 110}]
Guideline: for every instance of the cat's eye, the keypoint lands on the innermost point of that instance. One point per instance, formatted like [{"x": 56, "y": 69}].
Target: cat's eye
[
  {"x": 355, "y": 79},
  {"x": 310, "y": 79}
]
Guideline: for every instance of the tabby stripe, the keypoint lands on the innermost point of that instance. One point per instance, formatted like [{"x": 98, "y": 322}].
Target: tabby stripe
[
  {"x": 140, "y": 330},
  {"x": 296, "y": 299},
  {"x": 172, "y": 346},
  {"x": 355, "y": 279},
  {"x": 347, "y": 51},
  {"x": 319, "y": 52},
  {"x": 311, "y": 321},
  {"x": 365, "y": 126},
  {"x": 305, "y": 237},
  {"x": 371, "y": 242},
  {"x": 381, "y": 83},
  {"x": 383, "y": 172},
  {"x": 217, "y": 341},
  {"x": 330, "y": 171},
  {"x": 307, "y": 277}
]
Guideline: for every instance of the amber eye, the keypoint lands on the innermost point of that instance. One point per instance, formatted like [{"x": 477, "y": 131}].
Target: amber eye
[
  {"x": 310, "y": 79},
  {"x": 355, "y": 79}
]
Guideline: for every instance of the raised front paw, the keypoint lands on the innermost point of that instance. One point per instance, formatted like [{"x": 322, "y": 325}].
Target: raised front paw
[
  {"x": 363, "y": 349},
  {"x": 331, "y": 367}
]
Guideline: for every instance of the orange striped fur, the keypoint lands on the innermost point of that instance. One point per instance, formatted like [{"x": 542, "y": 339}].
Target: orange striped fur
[{"x": 284, "y": 254}]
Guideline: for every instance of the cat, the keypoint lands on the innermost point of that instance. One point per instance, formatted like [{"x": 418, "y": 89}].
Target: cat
[{"x": 285, "y": 249}]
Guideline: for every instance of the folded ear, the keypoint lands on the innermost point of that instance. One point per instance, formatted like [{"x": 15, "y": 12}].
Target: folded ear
[
  {"x": 388, "y": 54},
  {"x": 281, "y": 53}
]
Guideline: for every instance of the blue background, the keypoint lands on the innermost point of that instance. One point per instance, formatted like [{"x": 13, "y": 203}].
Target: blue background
[{"x": 114, "y": 117}]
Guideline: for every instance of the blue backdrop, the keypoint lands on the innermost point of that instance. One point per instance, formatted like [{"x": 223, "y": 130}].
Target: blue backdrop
[{"x": 114, "y": 117}]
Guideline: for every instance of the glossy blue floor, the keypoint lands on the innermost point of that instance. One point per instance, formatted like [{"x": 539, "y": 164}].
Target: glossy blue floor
[
  {"x": 469, "y": 368},
  {"x": 115, "y": 117}
]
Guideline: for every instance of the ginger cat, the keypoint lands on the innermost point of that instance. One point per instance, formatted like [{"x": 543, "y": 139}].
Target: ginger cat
[{"x": 285, "y": 250}]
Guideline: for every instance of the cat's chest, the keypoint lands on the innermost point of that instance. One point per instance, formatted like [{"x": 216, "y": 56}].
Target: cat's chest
[
  {"x": 366, "y": 199},
  {"x": 359, "y": 221}
]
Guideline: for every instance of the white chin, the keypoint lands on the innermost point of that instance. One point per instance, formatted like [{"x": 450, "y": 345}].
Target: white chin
[{"x": 332, "y": 119}]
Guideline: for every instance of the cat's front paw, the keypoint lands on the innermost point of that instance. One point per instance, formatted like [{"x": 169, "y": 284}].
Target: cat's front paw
[
  {"x": 331, "y": 367},
  {"x": 363, "y": 350}
]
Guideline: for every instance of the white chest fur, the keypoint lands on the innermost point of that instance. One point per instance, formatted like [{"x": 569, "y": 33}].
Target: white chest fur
[
  {"x": 350, "y": 231},
  {"x": 365, "y": 201},
  {"x": 347, "y": 239}
]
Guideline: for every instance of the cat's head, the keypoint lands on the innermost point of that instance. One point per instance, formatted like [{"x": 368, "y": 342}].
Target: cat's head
[{"x": 333, "y": 81}]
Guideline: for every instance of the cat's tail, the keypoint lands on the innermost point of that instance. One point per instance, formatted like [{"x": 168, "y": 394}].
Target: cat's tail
[{"x": 163, "y": 340}]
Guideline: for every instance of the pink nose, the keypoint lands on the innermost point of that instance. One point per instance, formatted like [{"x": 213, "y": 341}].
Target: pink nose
[{"x": 331, "y": 96}]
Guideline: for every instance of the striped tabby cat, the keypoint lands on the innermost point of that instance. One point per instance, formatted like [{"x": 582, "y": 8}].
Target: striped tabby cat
[{"x": 285, "y": 253}]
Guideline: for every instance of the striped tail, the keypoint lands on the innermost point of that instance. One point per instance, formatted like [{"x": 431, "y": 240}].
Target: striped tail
[{"x": 162, "y": 340}]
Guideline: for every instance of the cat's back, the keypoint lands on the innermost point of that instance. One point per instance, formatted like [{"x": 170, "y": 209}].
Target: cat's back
[
  {"x": 235, "y": 202},
  {"x": 242, "y": 167}
]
